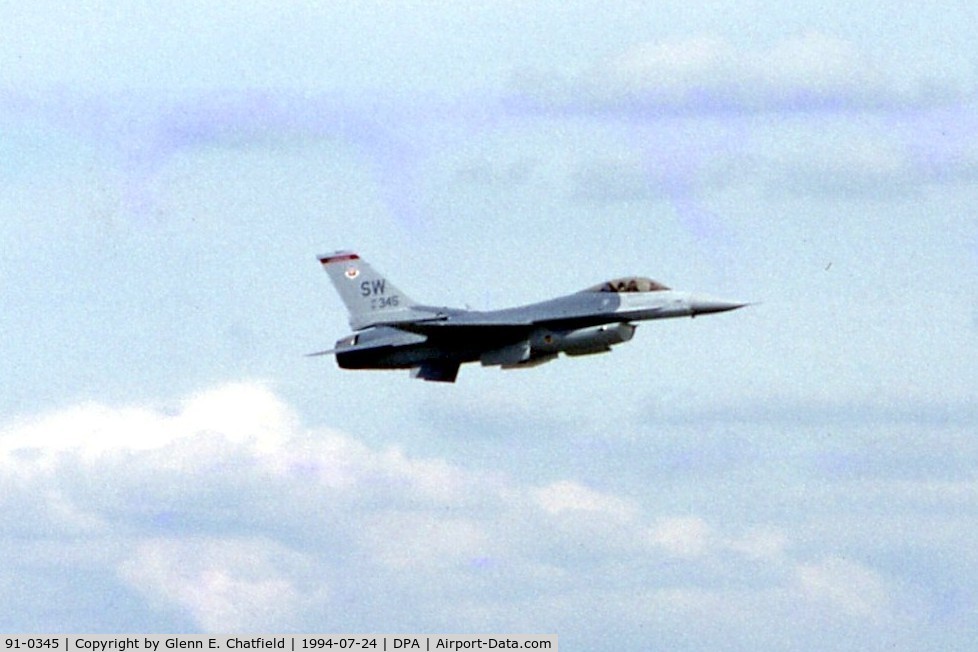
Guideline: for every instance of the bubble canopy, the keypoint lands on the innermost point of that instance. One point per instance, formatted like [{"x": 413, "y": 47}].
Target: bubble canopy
[{"x": 628, "y": 284}]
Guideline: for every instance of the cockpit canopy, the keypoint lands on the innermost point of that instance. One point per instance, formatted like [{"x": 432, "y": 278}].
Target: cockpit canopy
[{"x": 629, "y": 284}]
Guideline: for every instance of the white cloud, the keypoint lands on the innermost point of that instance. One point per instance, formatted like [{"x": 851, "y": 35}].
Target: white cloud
[
  {"x": 412, "y": 542},
  {"x": 849, "y": 587},
  {"x": 706, "y": 74},
  {"x": 841, "y": 160},
  {"x": 242, "y": 414},
  {"x": 761, "y": 543},
  {"x": 815, "y": 63},
  {"x": 668, "y": 71},
  {"x": 227, "y": 585},
  {"x": 884, "y": 158},
  {"x": 227, "y": 511},
  {"x": 575, "y": 499},
  {"x": 683, "y": 537}
]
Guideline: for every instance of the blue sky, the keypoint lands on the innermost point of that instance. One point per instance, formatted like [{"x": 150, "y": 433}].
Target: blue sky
[{"x": 797, "y": 475}]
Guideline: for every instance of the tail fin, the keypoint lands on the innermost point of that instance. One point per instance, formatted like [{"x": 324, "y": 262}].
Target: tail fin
[{"x": 369, "y": 297}]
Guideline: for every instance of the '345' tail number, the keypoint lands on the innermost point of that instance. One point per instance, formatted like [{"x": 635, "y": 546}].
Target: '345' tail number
[
  {"x": 376, "y": 291},
  {"x": 378, "y": 303}
]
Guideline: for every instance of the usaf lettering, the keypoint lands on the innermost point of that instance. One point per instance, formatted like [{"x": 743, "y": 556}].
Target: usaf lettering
[
  {"x": 372, "y": 287},
  {"x": 375, "y": 290}
]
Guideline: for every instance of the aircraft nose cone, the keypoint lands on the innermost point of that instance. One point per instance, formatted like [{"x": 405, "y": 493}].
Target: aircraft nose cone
[{"x": 703, "y": 305}]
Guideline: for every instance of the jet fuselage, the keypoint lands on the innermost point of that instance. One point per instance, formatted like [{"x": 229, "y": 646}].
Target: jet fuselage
[{"x": 394, "y": 332}]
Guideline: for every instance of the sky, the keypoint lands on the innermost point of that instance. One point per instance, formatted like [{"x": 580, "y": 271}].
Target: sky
[{"x": 799, "y": 474}]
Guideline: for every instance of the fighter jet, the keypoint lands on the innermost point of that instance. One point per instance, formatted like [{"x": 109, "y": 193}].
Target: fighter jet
[{"x": 392, "y": 331}]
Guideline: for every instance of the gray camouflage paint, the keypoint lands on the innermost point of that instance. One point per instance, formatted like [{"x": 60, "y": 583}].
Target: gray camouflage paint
[{"x": 395, "y": 332}]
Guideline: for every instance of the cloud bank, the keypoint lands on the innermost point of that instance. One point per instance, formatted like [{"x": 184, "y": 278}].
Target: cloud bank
[
  {"x": 846, "y": 126},
  {"x": 705, "y": 75},
  {"x": 223, "y": 512}
]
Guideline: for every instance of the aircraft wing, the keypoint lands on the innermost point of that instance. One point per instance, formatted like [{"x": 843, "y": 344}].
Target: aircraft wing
[
  {"x": 319, "y": 353},
  {"x": 503, "y": 327}
]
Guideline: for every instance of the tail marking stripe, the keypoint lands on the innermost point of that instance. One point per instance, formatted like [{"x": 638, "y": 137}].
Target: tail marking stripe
[{"x": 326, "y": 260}]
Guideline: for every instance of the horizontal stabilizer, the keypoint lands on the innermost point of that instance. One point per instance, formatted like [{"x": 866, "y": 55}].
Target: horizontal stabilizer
[{"x": 318, "y": 353}]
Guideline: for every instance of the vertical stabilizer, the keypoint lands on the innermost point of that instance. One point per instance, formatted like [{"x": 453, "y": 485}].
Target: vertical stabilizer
[{"x": 369, "y": 297}]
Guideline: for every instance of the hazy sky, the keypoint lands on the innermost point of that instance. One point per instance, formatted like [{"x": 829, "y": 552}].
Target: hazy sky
[{"x": 796, "y": 475}]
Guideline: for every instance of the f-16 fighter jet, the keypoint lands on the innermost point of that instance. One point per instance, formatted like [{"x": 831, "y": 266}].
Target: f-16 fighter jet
[{"x": 392, "y": 331}]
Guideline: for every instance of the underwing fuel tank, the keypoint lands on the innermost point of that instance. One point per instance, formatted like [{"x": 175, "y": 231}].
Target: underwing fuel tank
[{"x": 583, "y": 341}]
